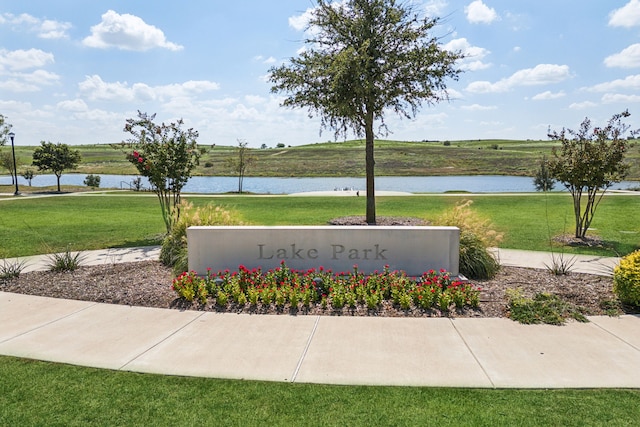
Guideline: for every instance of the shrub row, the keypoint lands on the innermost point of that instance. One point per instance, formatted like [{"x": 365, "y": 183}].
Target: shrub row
[{"x": 283, "y": 286}]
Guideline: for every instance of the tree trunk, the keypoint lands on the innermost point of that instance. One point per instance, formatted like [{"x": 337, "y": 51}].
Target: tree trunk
[
  {"x": 58, "y": 178},
  {"x": 370, "y": 168}
]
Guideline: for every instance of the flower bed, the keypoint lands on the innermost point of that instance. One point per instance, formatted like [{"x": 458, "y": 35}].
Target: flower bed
[{"x": 283, "y": 286}]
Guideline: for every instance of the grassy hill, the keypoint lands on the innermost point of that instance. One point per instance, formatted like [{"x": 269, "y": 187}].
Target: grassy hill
[{"x": 393, "y": 158}]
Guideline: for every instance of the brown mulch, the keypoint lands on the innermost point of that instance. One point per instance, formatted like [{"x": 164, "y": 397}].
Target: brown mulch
[{"x": 148, "y": 284}]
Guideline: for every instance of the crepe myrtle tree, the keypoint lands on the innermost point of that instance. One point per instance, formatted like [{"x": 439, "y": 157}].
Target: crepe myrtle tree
[
  {"x": 56, "y": 158},
  {"x": 166, "y": 155},
  {"x": 588, "y": 162},
  {"x": 364, "y": 58}
]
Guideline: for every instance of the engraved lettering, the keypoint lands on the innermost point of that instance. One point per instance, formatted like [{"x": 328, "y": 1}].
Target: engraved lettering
[
  {"x": 296, "y": 254},
  {"x": 337, "y": 250},
  {"x": 262, "y": 254}
]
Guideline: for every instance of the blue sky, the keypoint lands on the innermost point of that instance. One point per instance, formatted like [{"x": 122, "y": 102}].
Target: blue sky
[{"x": 73, "y": 71}]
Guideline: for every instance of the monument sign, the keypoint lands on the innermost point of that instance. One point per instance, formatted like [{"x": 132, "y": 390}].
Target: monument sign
[{"x": 413, "y": 250}]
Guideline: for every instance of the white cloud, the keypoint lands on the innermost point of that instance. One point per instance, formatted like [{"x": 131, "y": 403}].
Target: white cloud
[
  {"x": 24, "y": 59},
  {"x": 435, "y": 8},
  {"x": 300, "y": 22},
  {"x": 74, "y": 106},
  {"x": 53, "y": 29},
  {"x": 94, "y": 88},
  {"x": 40, "y": 77},
  {"x": 262, "y": 59},
  {"x": 473, "y": 54},
  {"x": 627, "y": 16},
  {"x": 478, "y": 107},
  {"x": 582, "y": 105},
  {"x": 479, "y": 13},
  {"x": 541, "y": 74},
  {"x": 618, "y": 98},
  {"x": 127, "y": 32},
  {"x": 46, "y": 29},
  {"x": 628, "y": 83},
  {"x": 627, "y": 58},
  {"x": 544, "y": 96}
]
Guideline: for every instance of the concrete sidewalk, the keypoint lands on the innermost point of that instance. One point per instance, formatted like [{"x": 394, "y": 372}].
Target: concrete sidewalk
[{"x": 464, "y": 352}]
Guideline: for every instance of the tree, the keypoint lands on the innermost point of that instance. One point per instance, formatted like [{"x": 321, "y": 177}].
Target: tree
[
  {"x": 166, "y": 155},
  {"x": 241, "y": 162},
  {"x": 363, "y": 58},
  {"x": 543, "y": 180},
  {"x": 588, "y": 163},
  {"x": 6, "y": 161},
  {"x": 56, "y": 158},
  {"x": 5, "y": 128},
  {"x": 28, "y": 174}
]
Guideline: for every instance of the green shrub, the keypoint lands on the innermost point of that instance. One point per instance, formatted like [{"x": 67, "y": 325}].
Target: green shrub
[
  {"x": 476, "y": 236},
  {"x": 174, "y": 246},
  {"x": 92, "y": 181},
  {"x": 626, "y": 279}
]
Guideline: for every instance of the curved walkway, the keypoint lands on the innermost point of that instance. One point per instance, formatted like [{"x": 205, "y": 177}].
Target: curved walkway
[{"x": 462, "y": 352}]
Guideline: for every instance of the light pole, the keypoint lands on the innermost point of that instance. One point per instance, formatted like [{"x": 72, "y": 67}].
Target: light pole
[{"x": 15, "y": 170}]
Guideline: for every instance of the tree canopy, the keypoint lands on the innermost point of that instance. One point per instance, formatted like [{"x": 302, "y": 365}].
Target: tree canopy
[
  {"x": 362, "y": 59},
  {"x": 56, "y": 158}
]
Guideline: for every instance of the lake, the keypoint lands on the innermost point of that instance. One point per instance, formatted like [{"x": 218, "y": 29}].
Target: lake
[{"x": 414, "y": 184}]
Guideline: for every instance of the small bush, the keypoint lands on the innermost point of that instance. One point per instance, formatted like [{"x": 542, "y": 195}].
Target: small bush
[
  {"x": 476, "y": 236},
  {"x": 626, "y": 279},
  {"x": 92, "y": 181},
  {"x": 65, "y": 261},
  {"x": 174, "y": 247}
]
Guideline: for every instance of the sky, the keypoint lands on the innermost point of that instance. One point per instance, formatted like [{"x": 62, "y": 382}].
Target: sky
[{"x": 73, "y": 71}]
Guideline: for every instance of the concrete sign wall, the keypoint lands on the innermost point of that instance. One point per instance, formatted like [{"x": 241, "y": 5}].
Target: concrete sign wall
[{"x": 337, "y": 248}]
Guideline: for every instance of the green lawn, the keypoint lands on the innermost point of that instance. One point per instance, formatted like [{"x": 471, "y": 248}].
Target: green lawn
[
  {"x": 39, "y": 393},
  {"x": 41, "y": 225}
]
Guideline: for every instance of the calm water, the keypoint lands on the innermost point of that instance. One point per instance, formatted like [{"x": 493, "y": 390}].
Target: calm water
[{"x": 419, "y": 184}]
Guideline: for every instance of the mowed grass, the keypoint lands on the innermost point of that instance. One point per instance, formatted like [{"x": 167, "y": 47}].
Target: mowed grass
[
  {"x": 81, "y": 222},
  {"x": 51, "y": 224},
  {"x": 41, "y": 393}
]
